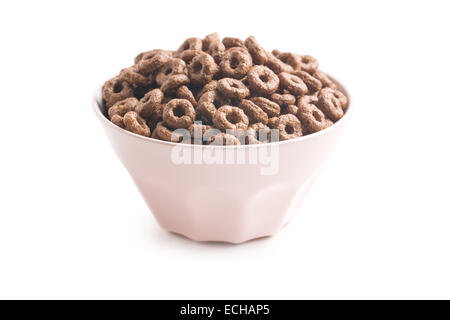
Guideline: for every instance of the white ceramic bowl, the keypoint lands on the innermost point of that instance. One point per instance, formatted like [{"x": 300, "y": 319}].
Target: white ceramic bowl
[{"x": 222, "y": 202}]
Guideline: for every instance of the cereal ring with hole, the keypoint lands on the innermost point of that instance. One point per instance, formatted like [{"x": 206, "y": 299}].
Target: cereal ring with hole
[
  {"x": 188, "y": 55},
  {"x": 271, "y": 108},
  {"x": 134, "y": 77},
  {"x": 230, "y": 118},
  {"x": 260, "y": 131},
  {"x": 311, "y": 117},
  {"x": 173, "y": 82},
  {"x": 150, "y": 103},
  {"x": 290, "y": 59},
  {"x": 230, "y": 42},
  {"x": 149, "y": 64},
  {"x": 236, "y": 63},
  {"x": 289, "y": 109},
  {"x": 164, "y": 132},
  {"x": 213, "y": 46},
  {"x": 122, "y": 107},
  {"x": 136, "y": 124},
  {"x": 115, "y": 90},
  {"x": 314, "y": 85},
  {"x": 289, "y": 127},
  {"x": 197, "y": 131},
  {"x": 208, "y": 104},
  {"x": 232, "y": 88},
  {"x": 172, "y": 67},
  {"x": 276, "y": 65},
  {"x": 191, "y": 44},
  {"x": 283, "y": 99},
  {"x": 253, "y": 112},
  {"x": 309, "y": 64},
  {"x": 324, "y": 79},
  {"x": 150, "y": 54},
  {"x": 210, "y": 86},
  {"x": 223, "y": 139},
  {"x": 178, "y": 113},
  {"x": 202, "y": 69},
  {"x": 262, "y": 80},
  {"x": 332, "y": 103},
  {"x": 183, "y": 92},
  {"x": 294, "y": 84},
  {"x": 258, "y": 54}
]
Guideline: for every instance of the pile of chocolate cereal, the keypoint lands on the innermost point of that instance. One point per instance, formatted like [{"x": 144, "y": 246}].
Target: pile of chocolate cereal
[{"x": 223, "y": 92}]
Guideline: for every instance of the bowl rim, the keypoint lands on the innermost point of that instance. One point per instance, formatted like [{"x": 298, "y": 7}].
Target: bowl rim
[{"x": 97, "y": 109}]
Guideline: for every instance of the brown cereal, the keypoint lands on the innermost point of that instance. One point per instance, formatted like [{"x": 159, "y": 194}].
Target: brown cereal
[
  {"x": 258, "y": 54},
  {"x": 283, "y": 99},
  {"x": 134, "y": 77},
  {"x": 262, "y": 80},
  {"x": 253, "y": 112},
  {"x": 164, "y": 132},
  {"x": 197, "y": 131},
  {"x": 332, "y": 102},
  {"x": 288, "y": 125},
  {"x": 152, "y": 63},
  {"x": 289, "y": 109},
  {"x": 232, "y": 88},
  {"x": 324, "y": 79},
  {"x": 210, "y": 86},
  {"x": 208, "y": 104},
  {"x": 213, "y": 46},
  {"x": 178, "y": 113},
  {"x": 183, "y": 92},
  {"x": 294, "y": 84},
  {"x": 150, "y": 54},
  {"x": 231, "y": 118},
  {"x": 202, "y": 69},
  {"x": 191, "y": 44},
  {"x": 276, "y": 65},
  {"x": 118, "y": 121},
  {"x": 311, "y": 117},
  {"x": 260, "y": 131},
  {"x": 136, "y": 124},
  {"x": 188, "y": 55},
  {"x": 172, "y": 67},
  {"x": 236, "y": 62},
  {"x": 229, "y": 42},
  {"x": 290, "y": 59},
  {"x": 173, "y": 82},
  {"x": 223, "y": 139},
  {"x": 115, "y": 90},
  {"x": 122, "y": 107},
  {"x": 150, "y": 103},
  {"x": 314, "y": 85},
  {"x": 271, "y": 108},
  {"x": 309, "y": 64}
]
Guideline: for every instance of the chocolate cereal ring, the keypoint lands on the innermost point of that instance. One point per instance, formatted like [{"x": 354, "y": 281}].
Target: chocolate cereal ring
[
  {"x": 271, "y": 108},
  {"x": 150, "y": 103},
  {"x": 260, "y": 131},
  {"x": 164, "y": 132},
  {"x": 191, "y": 44},
  {"x": 262, "y": 80},
  {"x": 197, "y": 131},
  {"x": 276, "y": 65},
  {"x": 229, "y": 42},
  {"x": 183, "y": 92},
  {"x": 188, "y": 55},
  {"x": 202, "y": 69},
  {"x": 294, "y": 84},
  {"x": 232, "y": 88},
  {"x": 178, "y": 113},
  {"x": 152, "y": 63},
  {"x": 289, "y": 109},
  {"x": 213, "y": 46},
  {"x": 122, "y": 107},
  {"x": 173, "y": 82},
  {"x": 136, "y": 124},
  {"x": 172, "y": 67},
  {"x": 311, "y": 117},
  {"x": 253, "y": 112},
  {"x": 134, "y": 77},
  {"x": 314, "y": 85},
  {"x": 236, "y": 63},
  {"x": 324, "y": 79},
  {"x": 290, "y": 59},
  {"x": 115, "y": 90},
  {"x": 210, "y": 86},
  {"x": 289, "y": 127},
  {"x": 309, "y": 64},
  {"x": 118, "y": 121},
  {"x": 150, "y": 54},
  {"x": 258, "y": 54},
  {"x": 283, "y": 99},
  {"x": 332, "y": 102},
  {"x": 230, "y": 118}
]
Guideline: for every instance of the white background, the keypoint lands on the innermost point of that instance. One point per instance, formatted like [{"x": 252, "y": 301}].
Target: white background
[{"x": 375, "y": 225}]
